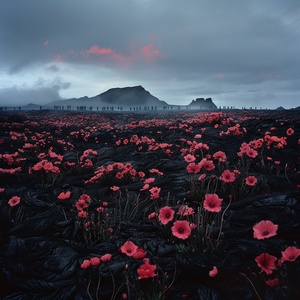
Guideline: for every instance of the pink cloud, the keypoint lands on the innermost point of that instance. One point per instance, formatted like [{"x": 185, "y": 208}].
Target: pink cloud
[
  {"x": 134, "y": 55},
  {"x": 99, "y": 51},
  {"x": 149, "y": 53}
]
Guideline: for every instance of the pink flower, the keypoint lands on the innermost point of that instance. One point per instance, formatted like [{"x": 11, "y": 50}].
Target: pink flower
[
  {"x": 251, "y": 180},
  {"x": 115, "y": 188},
  {"x": 13, "y": 201},
  {"x": 156, "y": 171},
  {"x": 95, "y": 261},
  {"x": 85, "y": 198},
  {"x": 201, "y": 177},
  {"x": 146, "y": 271},
  {"x": 64, "y": 195},
  {"x": 166, "y": 214},
  {"x": 100, "y": 209},
  {"x": 207, "y": 165},
  {"x": 185, "y": 210},
  {"x": 212, "y": 203},
  {"x": 181, "y": 229},
  {"x": 151, "y": 216},
  {"x": 290, "y": 254},
  {"x": 220, "y": 156},
  {"x": 272, "y": 282},
  {"x": 154, "y": 192},
  {"x": 264, "y": 230},
  {"x": 214, "y": 272},
  {"x": 290, "y": 131},
  {"x": 145, "y": 187},
  {"x": 82, "y": 214},
  {"x": 106, "y": 257},
  {"x": 129, "y": 248},
  {"x": 251, "y": 152},
  {"x": 149, "y": 180},
  {"x": 81, "y": 205},
  {"x": 227, "y": 176},
  {"x": 85, "y": 264},
  {"x": 139, "y": 254},
  {"x": 189, "y": 158},
  {"x": 2, "y": 190},
  {"x": 193, "y": 168},
  {"x": 266, "y": 262}
]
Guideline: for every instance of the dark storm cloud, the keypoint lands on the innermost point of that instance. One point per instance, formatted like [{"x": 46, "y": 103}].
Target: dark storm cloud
[
  {"x": 42, "y": 92},
  {"x": 207, "y": 46}
]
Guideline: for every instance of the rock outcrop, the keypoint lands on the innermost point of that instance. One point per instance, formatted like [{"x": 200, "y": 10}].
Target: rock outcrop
[{"x": 203, "y": 104}]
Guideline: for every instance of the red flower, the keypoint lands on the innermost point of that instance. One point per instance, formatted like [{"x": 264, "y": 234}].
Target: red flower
[
  {"x": 95, "y": 261},
  {"x": 154, "y": 192},
  {"x": 290, "y": 254},
  {"x": 264, "y": 230},
  {"x": 152, "y": 216},
  {"x": 81, "y": 204},
  {"x": 290, "y": 131},
  {"x": 201, "y": 177},
  {"x": 115, "y": 188},
  {"x": 181, "y": 229},
  {"x": 272, "y": 282},
  {"x": 166, "y": 214},
  {"x": 185, "y": 210},
  {"x": 85, "y": 264},
  {"x": 212, "y": 203},
  {"x": 149, "y": 180},
  {"x": 214, "y": 272},
  {"x": 220, "y": 156},
  {"x": 129, "y": 248},
  {"x": 13, "y": 201},
  {"x": 82, "y": 214},
  {"x": 251, "y": 152},
  {"x": 227, "y": 176},
  {"x": 146, "y": 271},
  {"x": 145, "y": 187},
  {"x": 139, "y": 254},
  {"x": 64, "y": 195},
  {"x": 85, "y": 198},
  {"x": 189, "y": 158},
  {"x": 251, "y": 180},
  {"x": 193, "y": 168},
  {"x": 106, "y": 257},
  {"x": 207, "y": 165},
  {"x": 266, "y": 262}
]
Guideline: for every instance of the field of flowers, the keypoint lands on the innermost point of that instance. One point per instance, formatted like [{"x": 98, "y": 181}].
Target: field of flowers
[{"x": 181, "y": 205}]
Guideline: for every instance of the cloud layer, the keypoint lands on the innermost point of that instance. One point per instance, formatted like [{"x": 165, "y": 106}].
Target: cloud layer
[{"x": 240, "y": 53}]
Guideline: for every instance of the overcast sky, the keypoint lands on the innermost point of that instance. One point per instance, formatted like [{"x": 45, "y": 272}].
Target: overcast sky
[{"x": 238, "y": 52}]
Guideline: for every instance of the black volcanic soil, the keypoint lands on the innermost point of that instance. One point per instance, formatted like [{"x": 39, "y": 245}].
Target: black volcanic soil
[{"x": 43, "y": 241}]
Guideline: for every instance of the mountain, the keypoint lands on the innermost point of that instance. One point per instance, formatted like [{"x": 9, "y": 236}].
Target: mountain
[
  {"x": 125, "y": 97},
  {"x": 203, "y": 104}
]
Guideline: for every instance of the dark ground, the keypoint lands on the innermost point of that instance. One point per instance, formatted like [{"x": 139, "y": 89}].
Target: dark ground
[{"x": 43, "y": 242}]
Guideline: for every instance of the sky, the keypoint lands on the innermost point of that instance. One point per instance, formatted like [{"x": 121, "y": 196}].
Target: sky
[{"x": 241, "y": 53}]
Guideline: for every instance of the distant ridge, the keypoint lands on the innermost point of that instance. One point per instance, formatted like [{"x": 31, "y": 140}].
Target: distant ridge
[{"x": 125, "y": 97}]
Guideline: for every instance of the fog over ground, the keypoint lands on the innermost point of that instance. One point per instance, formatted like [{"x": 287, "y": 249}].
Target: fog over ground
[{"x": 240, "y": 53}]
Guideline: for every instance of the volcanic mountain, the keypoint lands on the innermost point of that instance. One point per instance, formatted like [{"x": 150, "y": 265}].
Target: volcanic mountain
[
  {"x": 203, "y": 104},
  {"x": 124, "y": 97}
]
